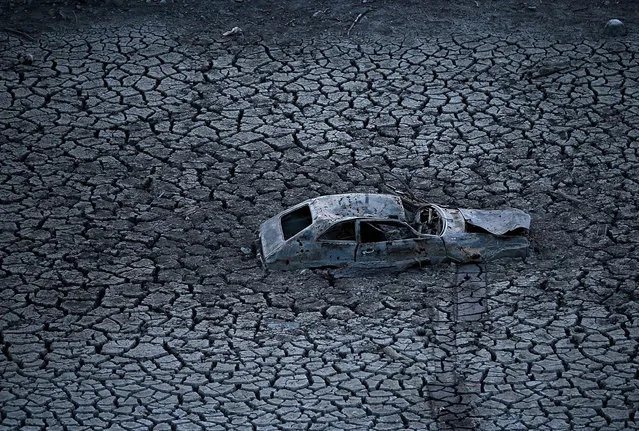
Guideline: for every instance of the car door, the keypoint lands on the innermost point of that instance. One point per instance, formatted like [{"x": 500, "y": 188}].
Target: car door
[
  {"x": 338, "y": 244},
  {"x": 477, "y": 247},
  {"x": 394, "y": 243}
]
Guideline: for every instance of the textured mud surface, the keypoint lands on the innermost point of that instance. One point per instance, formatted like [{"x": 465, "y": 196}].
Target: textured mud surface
[{"x": 138, "y": 158}]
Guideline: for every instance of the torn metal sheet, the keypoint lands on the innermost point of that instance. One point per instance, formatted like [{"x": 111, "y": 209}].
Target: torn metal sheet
[
  {"x": 498, "y": 222},
  {"x": 365, "y": 230}
]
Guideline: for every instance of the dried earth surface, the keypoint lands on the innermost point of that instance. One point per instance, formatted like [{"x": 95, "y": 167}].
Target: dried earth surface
[{"x": 140, "y": 149}]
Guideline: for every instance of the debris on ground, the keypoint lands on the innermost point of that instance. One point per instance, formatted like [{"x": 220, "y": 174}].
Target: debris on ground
[
  {"x": 615, "y": 27},
  {"x": 26, "y": 58},
  {"x": 232, "y": 32},
  {"x": 319, "y": 12},
  {"x": 348, "y": 33},
  {"x": 18, "y": 33}
]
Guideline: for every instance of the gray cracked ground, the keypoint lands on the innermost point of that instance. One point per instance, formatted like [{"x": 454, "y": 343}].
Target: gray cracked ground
[{"x": 136, "y": 162}]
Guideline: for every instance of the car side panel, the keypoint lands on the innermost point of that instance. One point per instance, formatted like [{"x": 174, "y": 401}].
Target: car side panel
[
  {"x": 478, "y": 247},
  {"x": 336, "y": 253},
  {"x": 428, "y": 249},
  {"x": 300, "y": 251}
]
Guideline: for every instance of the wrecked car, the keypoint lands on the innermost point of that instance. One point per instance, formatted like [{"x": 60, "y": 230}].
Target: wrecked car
[{"x": 366, "y": 230}]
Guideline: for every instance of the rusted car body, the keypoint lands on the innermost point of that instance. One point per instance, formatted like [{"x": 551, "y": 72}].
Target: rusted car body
[{"x": 365, "y": 230}]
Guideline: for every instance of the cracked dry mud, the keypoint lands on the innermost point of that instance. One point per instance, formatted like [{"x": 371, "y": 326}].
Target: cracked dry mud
[{"x": 136, "y": 163}]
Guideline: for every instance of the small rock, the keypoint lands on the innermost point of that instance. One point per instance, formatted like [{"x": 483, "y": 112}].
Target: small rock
[
  {"x": 615, "y": 27},
  {"x": 247, "y": 251}
]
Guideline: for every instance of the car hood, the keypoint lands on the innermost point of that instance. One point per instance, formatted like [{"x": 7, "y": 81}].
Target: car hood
[{"x": 498, "y": 222}]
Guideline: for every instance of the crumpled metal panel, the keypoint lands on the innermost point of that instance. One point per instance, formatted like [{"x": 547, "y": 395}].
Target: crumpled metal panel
[{"x": 498, "y": 222}]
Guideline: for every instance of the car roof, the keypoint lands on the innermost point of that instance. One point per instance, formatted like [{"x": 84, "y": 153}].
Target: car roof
[{"x": 332, "y": 208}]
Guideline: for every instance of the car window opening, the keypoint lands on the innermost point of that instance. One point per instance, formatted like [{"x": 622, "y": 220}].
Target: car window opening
[
  {"x": 429, "y": 222},
  {"x": 296, "y": 221},
  {"x": 344, "y": 231},
  {"x": 368, "y": 232},
  {"x": 380, "y": 232}
]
